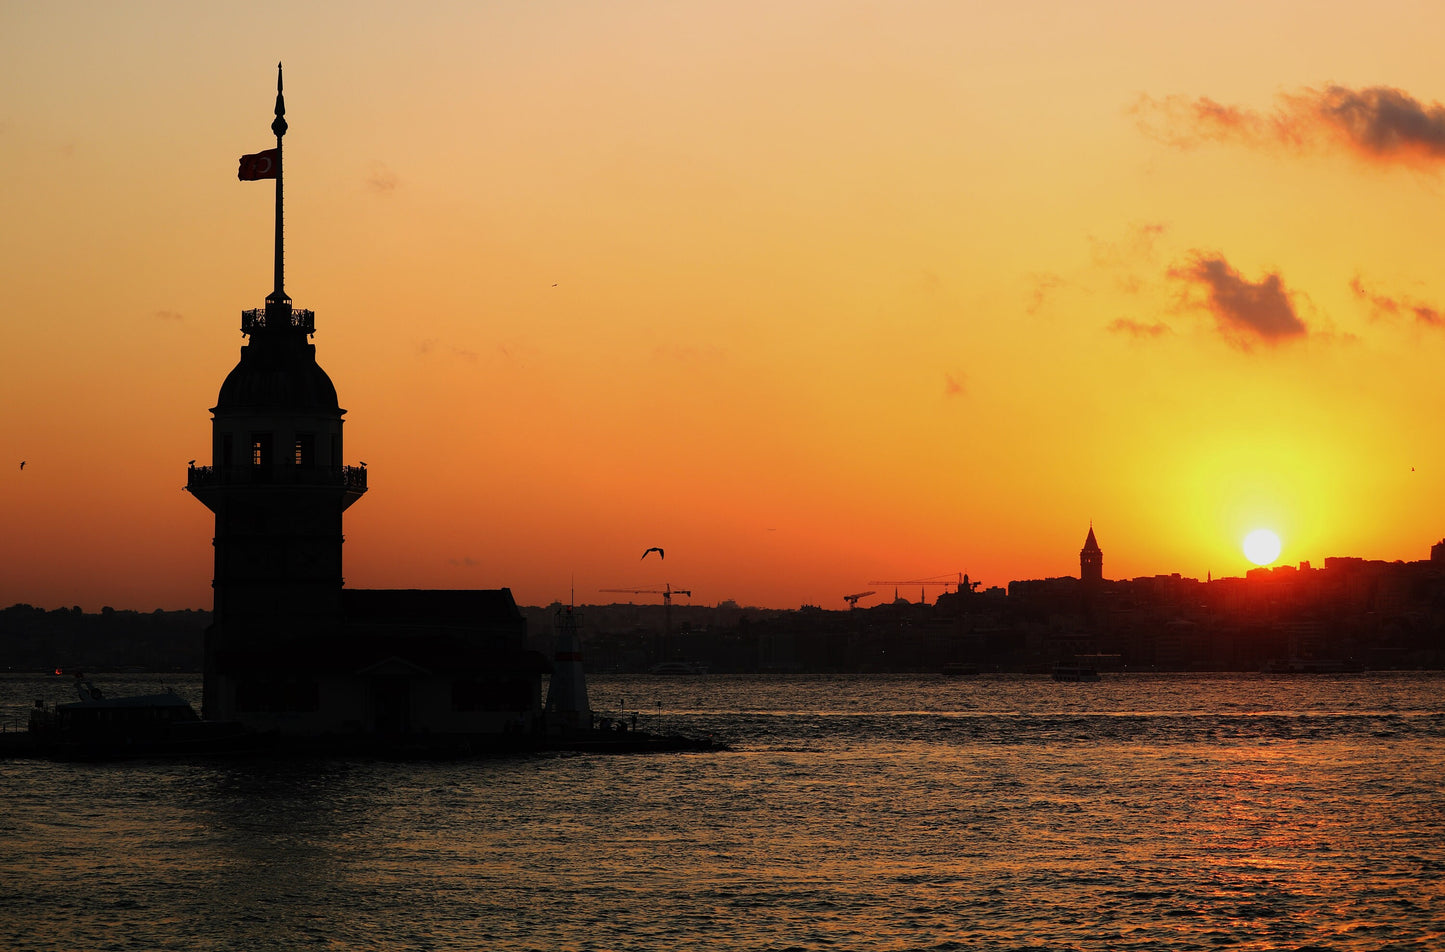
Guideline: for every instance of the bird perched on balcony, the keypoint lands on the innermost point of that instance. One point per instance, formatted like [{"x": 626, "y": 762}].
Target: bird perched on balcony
[{"x": 660, "y": 553}]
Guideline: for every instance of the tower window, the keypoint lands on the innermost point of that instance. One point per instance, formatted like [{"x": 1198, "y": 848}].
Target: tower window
[
  {"x": 260, "y": 449},
  {"x": 305, "y": 450}
]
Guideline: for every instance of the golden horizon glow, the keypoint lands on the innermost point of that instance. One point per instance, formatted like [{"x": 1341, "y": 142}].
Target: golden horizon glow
[{"x": 806, "y": 293}]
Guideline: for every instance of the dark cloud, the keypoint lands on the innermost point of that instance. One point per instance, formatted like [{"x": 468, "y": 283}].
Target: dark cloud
[
  {"x": 1381, "y": 122},
  {"x": 1382, "y": 305},
  {"x": 1376, "y": 123},
  {"x": 1139, "y": 329},
  {"x": 1244, "y": 311}
]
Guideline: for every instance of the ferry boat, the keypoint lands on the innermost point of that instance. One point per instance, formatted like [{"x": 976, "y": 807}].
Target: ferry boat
[
  {"x": 96, "y": 727},
  {"x": 1075, "y": 672},
  {"x": 678, "y": 668}
]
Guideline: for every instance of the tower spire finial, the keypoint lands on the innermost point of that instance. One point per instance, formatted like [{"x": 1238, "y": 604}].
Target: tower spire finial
[{"x": 278, "y": 125}]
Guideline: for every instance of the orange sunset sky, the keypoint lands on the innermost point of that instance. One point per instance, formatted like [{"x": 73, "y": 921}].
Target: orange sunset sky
[{"x": 807, "y": 293}]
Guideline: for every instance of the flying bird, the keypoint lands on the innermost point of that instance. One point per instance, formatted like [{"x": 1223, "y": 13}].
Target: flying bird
[
  {"x": 22, "y": 464},
  {"x": 660, "y": 553}
]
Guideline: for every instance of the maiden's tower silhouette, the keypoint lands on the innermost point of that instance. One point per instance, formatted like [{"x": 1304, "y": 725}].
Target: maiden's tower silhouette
[{"x": 290, "y": 648}]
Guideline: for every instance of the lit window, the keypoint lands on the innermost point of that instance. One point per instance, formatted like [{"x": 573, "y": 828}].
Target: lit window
[{"x": 260, "y": 449}]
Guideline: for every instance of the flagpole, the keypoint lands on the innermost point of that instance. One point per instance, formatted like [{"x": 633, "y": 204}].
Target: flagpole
[{"x": 278, "y": 126}]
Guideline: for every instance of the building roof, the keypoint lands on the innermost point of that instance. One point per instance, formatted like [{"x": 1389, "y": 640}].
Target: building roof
[{"x": 424, "y": 607}]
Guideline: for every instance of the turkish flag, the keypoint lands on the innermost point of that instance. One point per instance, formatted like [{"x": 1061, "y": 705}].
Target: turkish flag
[{"x": 261, "y": 165}]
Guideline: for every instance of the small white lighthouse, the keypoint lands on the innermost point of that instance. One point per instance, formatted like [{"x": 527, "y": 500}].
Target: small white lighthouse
[{"x": 567, "y": 704}]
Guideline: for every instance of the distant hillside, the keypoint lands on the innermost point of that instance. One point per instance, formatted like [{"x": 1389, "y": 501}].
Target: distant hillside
[{"x": 33, "y": 639}]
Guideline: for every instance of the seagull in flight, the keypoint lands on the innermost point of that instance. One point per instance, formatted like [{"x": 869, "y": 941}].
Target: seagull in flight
[
  {"x": 660, "y": 553},
  {"x": 22, "y": 464}
]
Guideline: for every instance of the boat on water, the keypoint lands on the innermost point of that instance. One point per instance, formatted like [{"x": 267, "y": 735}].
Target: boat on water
[
  {"x": 96, "y": 727},
  {"x": 678, "y": 668},
  {"x": 1312, "y": 666},
  {"x": 1066, "y": 672}
]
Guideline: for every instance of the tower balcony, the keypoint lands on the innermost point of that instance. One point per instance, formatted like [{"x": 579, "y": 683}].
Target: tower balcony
[
  {"x": 284, "y": 316},
  {"x": 350, "y": 478}
]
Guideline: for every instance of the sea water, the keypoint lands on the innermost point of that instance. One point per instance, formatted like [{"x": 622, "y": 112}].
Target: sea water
[{"x": 993, "y": 812}]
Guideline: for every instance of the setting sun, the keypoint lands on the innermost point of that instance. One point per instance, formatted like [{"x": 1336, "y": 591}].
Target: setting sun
[{"x": 1261, "y": 547}]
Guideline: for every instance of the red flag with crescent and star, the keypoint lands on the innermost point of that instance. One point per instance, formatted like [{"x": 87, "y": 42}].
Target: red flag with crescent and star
[{"x": 262, "y": 165}]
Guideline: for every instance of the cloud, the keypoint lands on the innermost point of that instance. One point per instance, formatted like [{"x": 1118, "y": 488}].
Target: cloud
[
  {"x": 1139, "y": 329},
  {"x": 428, "y": 346},
  {"x": 1244, "y": 311},
  {"x": 1185, "y": 123},
  {"x": 1376, "y": 123},
  {"x": 381, "y": 179},
  {"x": 1382, "y": 305},
  {"x": 954, "y": 385},
  {"x": 1140, "y": 244},
  {"x": 1042, "y": 286},
  {"x": 1128, "y": 259}
]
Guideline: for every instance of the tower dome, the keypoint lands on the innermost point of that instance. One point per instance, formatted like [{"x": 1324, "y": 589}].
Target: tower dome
[{"x": 278, "y": 370}]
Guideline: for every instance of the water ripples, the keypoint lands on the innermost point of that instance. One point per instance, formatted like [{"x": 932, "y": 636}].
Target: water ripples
[{"x": 889, "y": 814}]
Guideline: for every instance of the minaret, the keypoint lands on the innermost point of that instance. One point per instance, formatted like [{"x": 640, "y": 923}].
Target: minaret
[
  {"x": 278, "y": 488},
  {"x": 1091, "y": 560}
]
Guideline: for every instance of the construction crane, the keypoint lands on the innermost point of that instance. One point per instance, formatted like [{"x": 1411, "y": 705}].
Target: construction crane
[
  {"x": 945, "y": 580},
  {"x": 852, "y": 600},
  {"x": 666, "y": 592}
]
